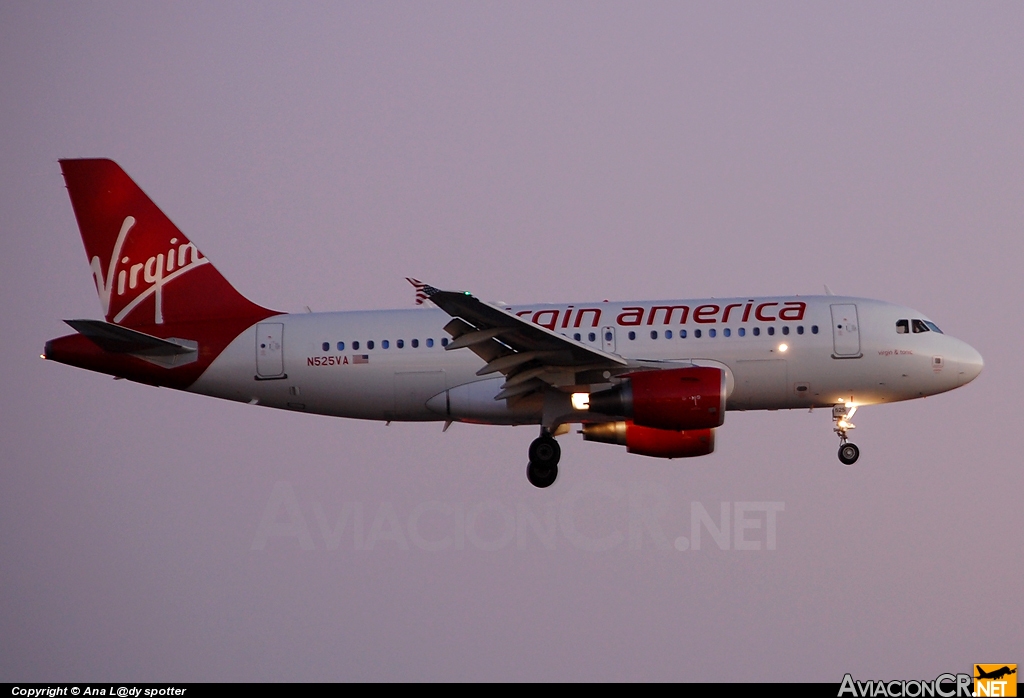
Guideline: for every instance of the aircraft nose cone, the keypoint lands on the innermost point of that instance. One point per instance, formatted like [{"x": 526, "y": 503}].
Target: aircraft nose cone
[{"x": 971, "y": 364}]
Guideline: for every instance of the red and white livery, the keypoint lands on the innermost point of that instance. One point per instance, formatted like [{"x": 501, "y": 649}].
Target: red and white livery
[{"x": 654, "y": 376}]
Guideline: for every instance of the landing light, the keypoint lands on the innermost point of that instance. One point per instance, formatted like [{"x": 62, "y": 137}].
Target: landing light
[
  {"x": 580, "y": 401},
  {"x": 783, "y": 348}
]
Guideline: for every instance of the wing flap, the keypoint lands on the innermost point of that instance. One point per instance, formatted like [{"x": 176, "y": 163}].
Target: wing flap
[
  {"x": 531, "y": 357},
  {"x": 487, "y": 349}
]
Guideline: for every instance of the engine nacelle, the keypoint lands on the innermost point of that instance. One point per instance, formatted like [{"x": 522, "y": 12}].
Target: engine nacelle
[
  {"x": 658, "y": 443},
  {"x": 675, "y": 399}
]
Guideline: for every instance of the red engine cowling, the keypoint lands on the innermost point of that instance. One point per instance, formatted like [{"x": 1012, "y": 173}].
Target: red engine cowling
[
  {"x": 658, "y": 443},
  {"x": 676, "y": 399}
]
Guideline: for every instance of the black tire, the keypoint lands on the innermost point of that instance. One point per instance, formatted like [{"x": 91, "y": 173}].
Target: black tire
[
  {"x": 545, "y": 451},
  {"x": 848, "y": 454},
  {"x": 541, "y": 475}
]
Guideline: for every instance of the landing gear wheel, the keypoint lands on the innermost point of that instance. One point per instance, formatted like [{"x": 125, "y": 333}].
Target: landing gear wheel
[
  {"x": 848, "y": 454},
  {"x": 842, "y": 414},
  {"x": 541, "y": 475},
  {"x": 545, "y": 451}
]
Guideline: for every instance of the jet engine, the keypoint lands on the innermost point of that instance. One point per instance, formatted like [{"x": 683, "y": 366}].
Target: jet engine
[
  {"x": 675, "y": 399},
  {"x": 658, "y": 443}
]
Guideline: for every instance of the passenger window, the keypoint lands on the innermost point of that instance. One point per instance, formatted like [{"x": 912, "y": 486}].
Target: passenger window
[
  {"x": 919, "y": 326},
  {"x": 696, "y": 333},
  {"x": 757, "y": 331},
  {"x": 326, "y": 346},
  {"x": 592, "y": 337},
  {"x": 415, "y": 343},
  {"x": 902, "y": 326},
  {"x": 682, "y": 334},
  {"x": 785, "y": 329},
  {"x": 632, "y": 335},
  {"x": 771, "y": 330},
  {"x": 355, "y": 346},
  {"x": 341, "y": 346},
  {"x": 742, "y": 332},
  {"x": 576, "y": 336},
  {"x": 385, "y": 344},
  {"x": 430, "y": 341},
  {"x": 444, "y": 341},
  {"x": 712, "y": 332},
  {"x": 654, "y": 334},
  {"x": 814, "y": 329},
  {"x": 799, "y": 329},
  {"x": 369, "y": 345},
  {"x": 608, "y": 336},
  {"x": 400, "y": 344},
  {"x": 668, "y": 334},
  {"x": 727, "y": 332}
]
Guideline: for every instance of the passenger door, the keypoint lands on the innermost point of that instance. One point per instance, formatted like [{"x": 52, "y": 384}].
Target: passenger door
[{"x": 845, "y": 332}]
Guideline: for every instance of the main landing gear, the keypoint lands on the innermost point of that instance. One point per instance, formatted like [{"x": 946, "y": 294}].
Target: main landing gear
[
  {"x": 841, "y": 415},
  {"x": 544, "y": 455}
]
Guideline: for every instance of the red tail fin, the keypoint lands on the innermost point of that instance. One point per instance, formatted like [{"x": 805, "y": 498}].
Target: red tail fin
[{"x": 146, "y": 271}]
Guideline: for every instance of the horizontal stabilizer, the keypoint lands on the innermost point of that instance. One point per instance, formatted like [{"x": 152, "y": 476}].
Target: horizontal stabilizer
[{"x": 121, "y": 340}]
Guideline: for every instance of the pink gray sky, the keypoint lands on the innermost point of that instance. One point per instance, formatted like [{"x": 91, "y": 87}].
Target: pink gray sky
[{"x": 320, "y": 153}]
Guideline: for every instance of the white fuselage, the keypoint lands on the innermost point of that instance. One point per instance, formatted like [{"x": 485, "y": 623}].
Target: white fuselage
[{"x": 778, "y": 353}]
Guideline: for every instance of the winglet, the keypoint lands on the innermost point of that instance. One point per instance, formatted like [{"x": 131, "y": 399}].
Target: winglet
[
  {"x": 423, "y": 291},
  {"x": 828, "y": 291}
]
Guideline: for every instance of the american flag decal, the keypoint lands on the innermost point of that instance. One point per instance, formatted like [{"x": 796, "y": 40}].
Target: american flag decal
[
  {"x": 360, "y": 358},
  {"x": 421, "y": 294}
]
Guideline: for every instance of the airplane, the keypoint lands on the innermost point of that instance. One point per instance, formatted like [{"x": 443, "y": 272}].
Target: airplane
[
  {"x": 996, "y": 674},
  {"x": 654, "y": 376}
]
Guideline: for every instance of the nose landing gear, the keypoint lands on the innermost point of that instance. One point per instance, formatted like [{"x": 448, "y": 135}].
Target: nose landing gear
[
  {"x": 544, "y": 456},
  {"x": 841, "y": 415}
]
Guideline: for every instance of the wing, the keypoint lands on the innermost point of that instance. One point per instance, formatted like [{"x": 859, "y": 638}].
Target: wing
[{"x": 530, "y": 357}]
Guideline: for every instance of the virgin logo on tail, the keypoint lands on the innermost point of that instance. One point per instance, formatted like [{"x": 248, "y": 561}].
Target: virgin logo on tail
[{"x": 156, "y": 271}]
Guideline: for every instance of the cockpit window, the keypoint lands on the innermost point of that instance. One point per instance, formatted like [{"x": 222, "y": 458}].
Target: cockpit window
[
  {"x": 932, "y": 326},
  {"x": 919, "y": 326},
  {"x": 902, "y": 326}
]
